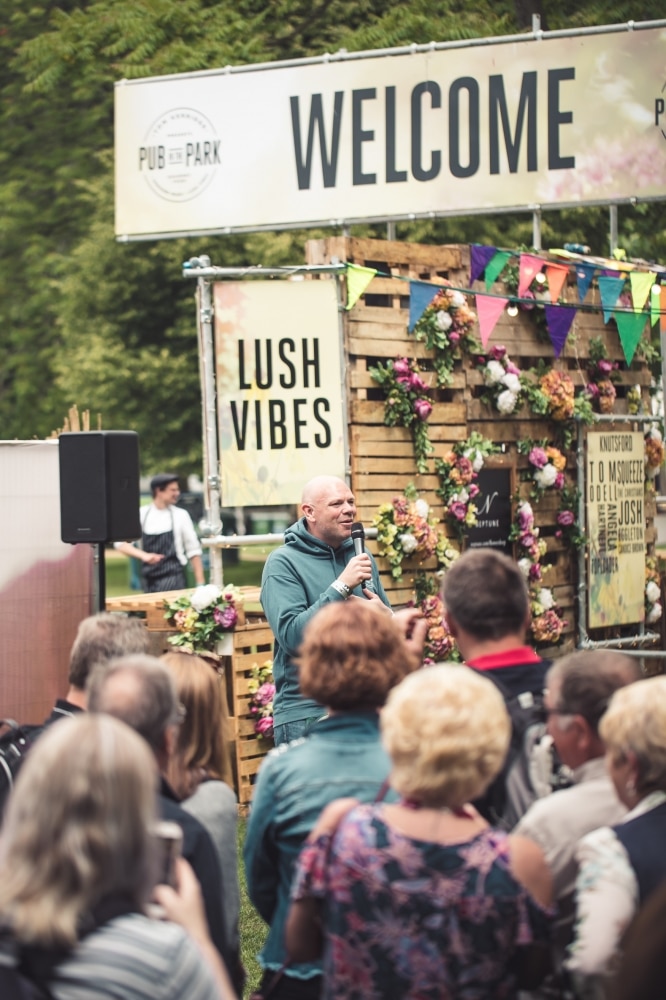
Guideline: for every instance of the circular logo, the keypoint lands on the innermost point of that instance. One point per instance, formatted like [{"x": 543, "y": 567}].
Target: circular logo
[{"x": 180, "y": 154}]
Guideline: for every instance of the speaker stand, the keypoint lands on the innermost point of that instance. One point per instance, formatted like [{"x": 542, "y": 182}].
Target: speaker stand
[{"x": 100, "y": 597}]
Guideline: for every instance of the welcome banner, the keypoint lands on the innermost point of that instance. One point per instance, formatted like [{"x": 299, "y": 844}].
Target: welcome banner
[{"x": 546, "y": 121}]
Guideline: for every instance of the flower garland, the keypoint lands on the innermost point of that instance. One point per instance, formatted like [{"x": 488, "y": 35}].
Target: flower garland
[
  {"x": 601, "y": 373},
  {"x": 445, "y": 328},
  {"x": 502, "y": 379},
  {"x": 261, "y": 687},
  {"x": 457, "y": 473},
  {"x": 654, "y": 452},
  {"x": 203, "y": 617},
  {"x": 653, "y": 608},
  {"x": 547, "y": 623},
  {"x": 568, "y": 528},
  {"x": 407, "y": 527},
  {"x": 407, "y": 403}
]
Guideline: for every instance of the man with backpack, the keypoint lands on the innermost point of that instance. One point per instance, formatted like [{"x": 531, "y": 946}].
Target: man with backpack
[
  {"x": 487, "y": 609},
  {"x": 99, "y": 638}
]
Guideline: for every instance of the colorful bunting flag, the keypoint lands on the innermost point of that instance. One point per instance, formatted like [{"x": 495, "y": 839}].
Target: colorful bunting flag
[
  {"x": 489, "y": 308},
  {"x": 630, "y": 326},
  {"x": 584, "y": 274},
  {"x": 557, "y": 275},
  {"x": 495, "y": 266},
  {"x": 558, "y": 321},
  {"x": 480, "y": 257},
  {"x": 358, "y": 279},
  {"x": 529, "y": 268},
  {"x": 655, "y": 304},
  {"x": 610, "y": 290},
  {"x": 421, "y": 295},
  {"x": 641, "y": 283}
]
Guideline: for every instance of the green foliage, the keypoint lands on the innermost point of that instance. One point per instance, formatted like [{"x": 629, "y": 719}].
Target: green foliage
[{"x": 112, "y": 327}]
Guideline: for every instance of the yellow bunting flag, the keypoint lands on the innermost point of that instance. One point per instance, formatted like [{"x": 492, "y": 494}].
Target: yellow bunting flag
[
  {"x": 358, "y": 279},
  {"x": 641, "y": 283}
]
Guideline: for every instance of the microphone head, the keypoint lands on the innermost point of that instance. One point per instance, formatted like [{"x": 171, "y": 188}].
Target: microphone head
[{"x": 357, "y": 530}]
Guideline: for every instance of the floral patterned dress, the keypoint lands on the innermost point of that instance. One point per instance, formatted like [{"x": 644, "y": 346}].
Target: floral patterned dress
[{"x": 405, "y": 918}]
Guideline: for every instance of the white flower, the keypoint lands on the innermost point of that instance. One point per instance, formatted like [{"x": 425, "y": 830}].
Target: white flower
[
  {"x": 545, "y": 477},
  {"x": 652, "y": 592},
  {"x": 525, "y": 508},
  {"x": 506, "y": 401},
  {"x": 444, "y": 320},
  {"x": 422, "y": 508},
  {"x": 477, "y": 461},
  {"x": 457, "y": 299},
  {"x": 203, "y": 597},
  {"x": 546, "y": 599},
  {"x": 462, "y": 496},
  {"x": 525, "y": 565},
  {"x": 654, "y": 614},
  {"x": 511, "y": 381},
  {"x": 408, "y": 543},
  {"x": 493, "y": 373}
]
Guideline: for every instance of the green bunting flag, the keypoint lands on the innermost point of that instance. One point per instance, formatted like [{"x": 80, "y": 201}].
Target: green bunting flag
[
  {"x": 641, "y": 283},
  {"x": 495, "y": 266},
  {"x": 630, "y": 326}
]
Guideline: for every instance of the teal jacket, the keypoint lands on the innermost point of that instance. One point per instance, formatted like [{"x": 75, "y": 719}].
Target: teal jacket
[
  {"x": 341, "y": 756},
  {"x": 296, "y": 582}
]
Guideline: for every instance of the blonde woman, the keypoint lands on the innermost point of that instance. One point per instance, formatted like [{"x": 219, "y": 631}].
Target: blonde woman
[
  {"x": 78, "y": 866},
  {"x": 421, "y": 898},
  {"x": 620, "y": 867},
  {"x": 200, "y": 764}
]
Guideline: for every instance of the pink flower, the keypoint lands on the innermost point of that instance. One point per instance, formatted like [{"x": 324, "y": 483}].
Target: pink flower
[
  {"x": 527, "y": 540},
  {"x": 559, "y": 481},
  {"x": 458, "y": 510},
  {"x": 454, "y": 337},
  {"x": 497, "y": 353},
  {"x": 422, "y": 409},
  {"x": 265, "y": 694},
  {"x": 534, "y": 574},
  {"x": 512, "y": 369},
  {"x": 605, "y": 366},
  {"x": 566, "y": 518},
  {"x": 416, "y": 384},
  {"x": 538, "y": 458},
  {"x": 473, "y": 490},
  {"x": 592, "y": 389},
  {"x": 226, "y": 618},
  {"x": 264, "y": 727},
  {"x": 401, "y": 366}
]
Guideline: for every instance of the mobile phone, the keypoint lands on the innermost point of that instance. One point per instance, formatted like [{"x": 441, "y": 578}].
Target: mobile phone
[{"x": 169, "y": 841}]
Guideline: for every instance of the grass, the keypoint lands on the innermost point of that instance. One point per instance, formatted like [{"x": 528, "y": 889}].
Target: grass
[
  {"x": 252, "y": 928},
  {"x": 245, "y": 573}
]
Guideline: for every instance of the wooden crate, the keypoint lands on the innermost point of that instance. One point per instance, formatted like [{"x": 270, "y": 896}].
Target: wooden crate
[{"x": 252, "y": 642}]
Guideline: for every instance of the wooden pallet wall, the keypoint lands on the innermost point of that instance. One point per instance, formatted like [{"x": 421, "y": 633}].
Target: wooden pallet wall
[{"x": 382, "y": 458}]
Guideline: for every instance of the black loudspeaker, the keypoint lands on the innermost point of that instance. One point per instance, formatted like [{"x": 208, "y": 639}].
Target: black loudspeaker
[{"x": 99, "y": 486}]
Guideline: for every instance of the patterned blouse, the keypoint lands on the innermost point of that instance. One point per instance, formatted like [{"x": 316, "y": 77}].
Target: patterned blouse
[{"x": 405, "y": 918}]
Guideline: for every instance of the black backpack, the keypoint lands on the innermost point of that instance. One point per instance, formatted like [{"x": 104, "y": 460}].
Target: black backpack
[
  {"x": 15, "y": 741},
  {"x": 532, "y": 768}
]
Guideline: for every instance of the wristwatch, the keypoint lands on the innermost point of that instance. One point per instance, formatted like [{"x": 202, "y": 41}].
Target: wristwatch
[{"x": 342, "y": 589}]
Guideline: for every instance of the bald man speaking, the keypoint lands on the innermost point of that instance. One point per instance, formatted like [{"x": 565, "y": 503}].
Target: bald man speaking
[{"x": 316, "y": 565}]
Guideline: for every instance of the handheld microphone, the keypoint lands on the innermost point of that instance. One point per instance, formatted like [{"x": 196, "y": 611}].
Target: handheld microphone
[{"x": 358, "y": 537}]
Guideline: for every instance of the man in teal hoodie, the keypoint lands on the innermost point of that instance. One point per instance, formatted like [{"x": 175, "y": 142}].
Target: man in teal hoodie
[{"x": 316, "y": 565}]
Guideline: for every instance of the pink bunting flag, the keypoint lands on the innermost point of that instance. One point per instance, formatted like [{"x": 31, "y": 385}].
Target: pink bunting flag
[
  {"x": 558, "y": 321},
  {"x": 489, "y": 308},
  {"x": 557, "y": 275},
  {"x": 529, "y": 268}
]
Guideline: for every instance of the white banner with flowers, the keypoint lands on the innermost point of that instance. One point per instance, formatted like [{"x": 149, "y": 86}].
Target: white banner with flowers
[{"x": 615, "y": 504}]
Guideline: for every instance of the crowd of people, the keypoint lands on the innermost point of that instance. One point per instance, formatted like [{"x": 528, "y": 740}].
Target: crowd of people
[{"x": 487, "y": 829}]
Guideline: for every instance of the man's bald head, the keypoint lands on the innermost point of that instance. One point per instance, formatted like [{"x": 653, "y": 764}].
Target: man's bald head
[{"x": 329, "y": 509}]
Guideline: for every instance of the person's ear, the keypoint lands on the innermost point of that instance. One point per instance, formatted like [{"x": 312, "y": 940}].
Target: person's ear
[{"x": 308, "y": 511}]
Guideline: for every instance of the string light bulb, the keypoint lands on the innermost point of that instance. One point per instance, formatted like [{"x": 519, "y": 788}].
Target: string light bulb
[
  {"x": 540, "y": 278},
  {"x": 512, "y": 309}
]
